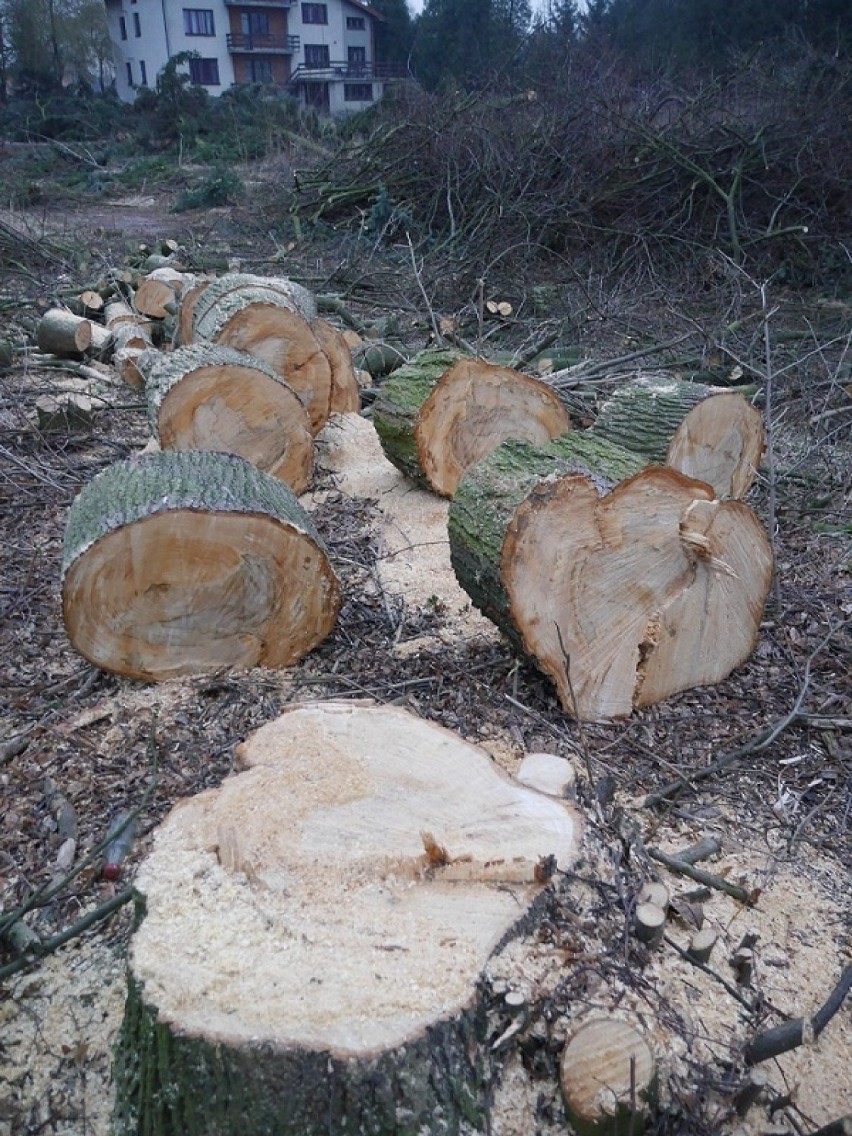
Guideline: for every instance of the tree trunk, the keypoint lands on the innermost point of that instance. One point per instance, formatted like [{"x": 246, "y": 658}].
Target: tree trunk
[
  {"x": 316, "y": 930},
  {"x": 176, "y": 563},
  {"x": 158, "y": 294},
  {"x": 708, "y": 433},
  {"x": 271, "y": 319},
  {"x": 442, "y": 412},
  {"x": 208, "y": 397},
  {"x": 345, "y": 392},
  {"x": 625, "y": 584}
]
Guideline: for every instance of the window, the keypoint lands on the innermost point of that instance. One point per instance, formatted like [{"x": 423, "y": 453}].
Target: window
[
  {"x": 260, "y": 71},
  {"x": 198, "y": 22},
  {"x": 254, "y": 23},
  {"x": 358, "y": 92},
  {"x": 314, "y": 14},
  {"x": 204, "y": 72},
  {"x": 129, "y": 67},
  {"x": 137, "y": 26},
  {"x": 355, "y": 23},
  {"x": 316, "y": 55},
  {"x": 143, "y": 72},
  {"x": 122, "y": 27}
]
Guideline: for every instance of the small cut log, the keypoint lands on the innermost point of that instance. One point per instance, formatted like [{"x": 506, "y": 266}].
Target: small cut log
[
  {"x": 177, "y": 563},
  {"x": 624, "y": 583},
  {"x": 158, "y": 294},
  {"x": 273, "y": 320},
  {"x": 440, "y": 413},
  {"x": 208, "y": 397},
  {"x": 316, "y": 930},
  {"x": 60, "y": 332},
  {"x": 709, "y": 433},
  {"x": 608, "y": 1079}
]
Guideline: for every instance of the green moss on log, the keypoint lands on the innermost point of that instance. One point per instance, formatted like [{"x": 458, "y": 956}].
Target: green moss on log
[
  {"x": 201, "y": 480},
  {"x": 493, "y": 488}
]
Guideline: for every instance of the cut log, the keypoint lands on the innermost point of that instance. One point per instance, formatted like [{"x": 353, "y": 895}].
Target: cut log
[
  {"x": 158, "y": 294},
  {"x": 316, "y": 930},
  {"x": 67, "y": 413},
  {"x": 608, "y": 1079},
  {"x": 345, "y": 392},
  {"x": 208, "y": 397},
  {"x": 176, "y": 563},
  {"x": 270, "y": 319},
  {"x": 625, "y": 584},
  {"x": 440, "y": 413},
  {"x": 60, "y": 332},
  {"x": 188, "y": 301},
  {"x": 709, "y": 433}
]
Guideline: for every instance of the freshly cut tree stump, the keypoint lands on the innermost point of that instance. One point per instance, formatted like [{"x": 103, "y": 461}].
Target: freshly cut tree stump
[
  {"x": 177, "y": 563},
  {"x": 625, "y": 584},
  {"x": 709, "y": 433},
  {"x": 273, "y": 320},
  {"x": 316, "y": 929},
  {"x": 608, "y": 1079},
  {"x": 208, "y": 397},
  {"x": 442, "y": 412},
  {"x": 60, "y": 332}
]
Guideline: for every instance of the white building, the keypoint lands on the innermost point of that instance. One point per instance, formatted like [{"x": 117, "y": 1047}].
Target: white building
[{"x": 324, "y": 53}]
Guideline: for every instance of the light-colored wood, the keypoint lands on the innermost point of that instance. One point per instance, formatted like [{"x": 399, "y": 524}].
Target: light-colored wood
[
  {"x": 652, "y": 891},
  {"x": 177, "y": 563},
  {"x": 649, "y": 923},
  {"x": 708, "y": 433},
  {"x": 608, "y": 1077},
  {"x": 701, "y": 944},
  {"x": 345, "y": 392},
  {"x": 188, "y": 301},
  {"x": 548, "y": 773},
  {"x": 642, "y": 586},
  {"x": 268, "y": 320},
  {"x": 316, "y": 929},
  {"x": 60, "y": 332},
  {"x": 208, "y": 397},
  {"x": 158, "y": 294},
  {"x": 442, "y": 412}
]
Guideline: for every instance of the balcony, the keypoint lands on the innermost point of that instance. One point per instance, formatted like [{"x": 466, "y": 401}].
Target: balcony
[
  {"x": 245, "y": 42},
  {"x": 347, "y": 72},
  {"x": 259, "y": 3}
]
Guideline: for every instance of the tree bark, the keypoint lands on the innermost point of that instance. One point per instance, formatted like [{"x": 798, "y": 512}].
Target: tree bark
[
  {"x": 442, "y": 412},
  {"x": 208, "y": 397},
  {"x": 625, "y": 584},
  {"x": 707, "y": 433},
  {"x": 176, "y": 563},
  {"x": 316, "y": 929},
  {"x": 271, "y": 319},
  {"x": 60, "y": 332}
]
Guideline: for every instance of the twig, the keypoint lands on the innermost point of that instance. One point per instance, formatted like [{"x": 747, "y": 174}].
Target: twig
[
  {"x": 790, "y": 1035},
  {"x": 521, "y": 358},
  {"x": 700, "y": 876},
  {"x": 418, "y": 277},
  {"x": 732, "y": 990},
  {"x": 575, "y": 374},
  {"x": 754, "y": 745},
  {"x": 581, "y": 733}
]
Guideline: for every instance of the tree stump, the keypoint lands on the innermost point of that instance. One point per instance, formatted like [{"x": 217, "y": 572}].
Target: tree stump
[
  {"x": 176, "y": 563},
  {"x": 624, "y": 583},
  {"x": 442, "y": 412},
  {"x": 208, "y": 397},
  {"x": 316, "y": 929},
  {"x": 709, "y": 433},
  {"x": 272, "y": 319},
  {"x": 608, "y": 1079}
]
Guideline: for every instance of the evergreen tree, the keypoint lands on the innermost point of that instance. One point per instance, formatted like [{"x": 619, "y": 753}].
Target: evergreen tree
[
  {"x": 394, "y": 32},
  {"x": 468, "y": 41}
]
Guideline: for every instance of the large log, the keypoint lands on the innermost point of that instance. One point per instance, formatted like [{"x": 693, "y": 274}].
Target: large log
[
  {"x": 176, "y": 563},
  {"x": 625, "y": 584},
  {"x": 442, "y": 412},
  {"x": 208, "y": 397},
  {"x": 316, "y": 930},
  {"x": 345, "y": 395},
  {"x": 709, "y": 433},
  {"x": 270, "y": 319}
]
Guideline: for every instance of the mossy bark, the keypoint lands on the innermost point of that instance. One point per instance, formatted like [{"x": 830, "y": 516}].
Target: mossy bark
[
  {"x": 173, "y": 1084},
  {"x": 491, "y": 491}
]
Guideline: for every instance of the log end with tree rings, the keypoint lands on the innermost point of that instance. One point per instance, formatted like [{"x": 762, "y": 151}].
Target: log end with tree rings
[
  {"x": 178, "y": 563},
  {"x": 208, "y": 397},
  {"x": 608, "y": 1078}
]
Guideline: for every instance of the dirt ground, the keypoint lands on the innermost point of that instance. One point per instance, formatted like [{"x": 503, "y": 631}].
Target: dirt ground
[{"x": 764, "y": 757}]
